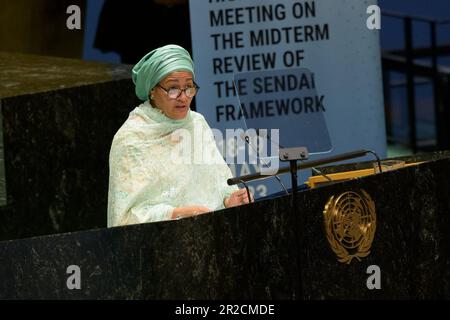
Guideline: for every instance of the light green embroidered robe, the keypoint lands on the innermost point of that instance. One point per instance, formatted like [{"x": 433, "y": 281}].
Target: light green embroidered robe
[{"x": 147, "y": 180}]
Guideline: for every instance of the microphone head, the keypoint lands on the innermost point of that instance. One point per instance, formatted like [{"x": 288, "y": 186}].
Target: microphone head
[{"x": 244, "y": 137}]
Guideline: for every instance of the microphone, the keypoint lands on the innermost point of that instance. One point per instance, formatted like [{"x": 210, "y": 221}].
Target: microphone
[
  {"x": 267, "y": 136},
  {"x": 247, "y": 140},
  {"x": 306, "y": 165}
]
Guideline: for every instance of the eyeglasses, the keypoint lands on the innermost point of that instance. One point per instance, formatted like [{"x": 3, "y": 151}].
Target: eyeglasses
[{"x": 175, "y": 93}]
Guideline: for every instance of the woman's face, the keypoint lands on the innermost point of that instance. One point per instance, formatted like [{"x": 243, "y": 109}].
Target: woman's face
[{"x": 173, "y": 108}]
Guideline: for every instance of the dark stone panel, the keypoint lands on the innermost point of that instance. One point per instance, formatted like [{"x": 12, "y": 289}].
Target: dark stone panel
[
  {"x": 29, "y": 274},
  {"x": 25, "y": 74},
  {"x": 56, "y": 157},
  {"x": 266, "y": 250}
]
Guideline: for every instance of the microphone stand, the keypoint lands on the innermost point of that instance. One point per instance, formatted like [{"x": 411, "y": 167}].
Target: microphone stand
[
  {"x": 293, "y": 155},
  {"x": 302, "y": 156},
  {"x": 303, "y": 165},
  {"x": 247, "y": 140}
]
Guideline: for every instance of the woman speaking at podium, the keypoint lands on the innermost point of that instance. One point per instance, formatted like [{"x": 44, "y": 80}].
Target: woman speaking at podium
[{"x": 146, "y": 182}]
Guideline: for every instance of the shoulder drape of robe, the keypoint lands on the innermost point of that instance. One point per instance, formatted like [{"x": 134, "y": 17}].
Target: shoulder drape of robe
[{"x": 158, "y": 164}]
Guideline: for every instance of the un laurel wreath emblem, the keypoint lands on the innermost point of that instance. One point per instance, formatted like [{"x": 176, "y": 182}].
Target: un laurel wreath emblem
[{"x": 350, "y": 223}]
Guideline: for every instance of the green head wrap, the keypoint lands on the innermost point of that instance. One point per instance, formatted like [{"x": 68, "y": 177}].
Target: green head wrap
[{"x": 156, "y": 65}]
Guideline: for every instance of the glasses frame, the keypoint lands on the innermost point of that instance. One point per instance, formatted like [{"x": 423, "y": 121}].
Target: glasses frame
[{"x": 181, "y": 91}]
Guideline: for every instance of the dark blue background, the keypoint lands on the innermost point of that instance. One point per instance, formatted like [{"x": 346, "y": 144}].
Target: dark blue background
[{"x": 391, "y": 32}]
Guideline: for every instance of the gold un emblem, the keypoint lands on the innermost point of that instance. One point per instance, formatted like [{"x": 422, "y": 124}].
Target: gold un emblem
[{"x": 350, "y": 223}]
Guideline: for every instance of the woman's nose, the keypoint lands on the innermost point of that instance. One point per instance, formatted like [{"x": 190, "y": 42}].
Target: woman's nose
[{"x": 183, "y": 96}]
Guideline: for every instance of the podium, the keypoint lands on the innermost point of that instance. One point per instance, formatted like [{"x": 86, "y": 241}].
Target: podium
[
  {"x": 57, "y": 130},
  {"x": 252, "y": 252},
  {"x": 58, "y": 119}
]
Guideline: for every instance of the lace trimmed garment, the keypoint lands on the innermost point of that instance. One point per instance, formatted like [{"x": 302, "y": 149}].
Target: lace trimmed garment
[{"x": 156, "y": 164}]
